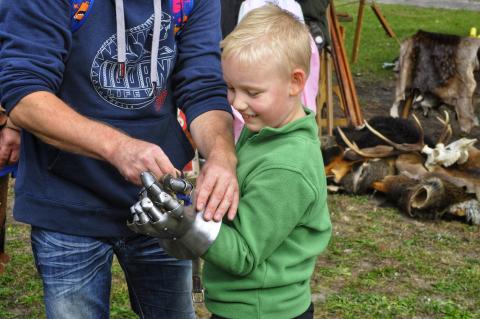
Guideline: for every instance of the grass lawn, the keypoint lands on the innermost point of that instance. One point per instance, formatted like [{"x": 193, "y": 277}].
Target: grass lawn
[{"x": 379, "y": 264}]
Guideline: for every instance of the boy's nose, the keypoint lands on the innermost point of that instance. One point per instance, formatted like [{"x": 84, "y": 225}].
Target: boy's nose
[{"x": 239, "y": 105}]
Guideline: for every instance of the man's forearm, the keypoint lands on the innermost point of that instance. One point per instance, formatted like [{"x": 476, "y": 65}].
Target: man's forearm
[
  {"x": 50, "y": 119},
  {"x": 213, "y": 135}
]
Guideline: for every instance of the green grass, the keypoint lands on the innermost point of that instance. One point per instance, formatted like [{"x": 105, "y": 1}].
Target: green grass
[
  {"x": 376, "y": 47},
  {"x": 20, "y": 287},
  {"x": 379, "y": 264}
]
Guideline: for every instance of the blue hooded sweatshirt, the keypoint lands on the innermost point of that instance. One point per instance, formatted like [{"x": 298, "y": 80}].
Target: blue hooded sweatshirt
[{"x": 103, "y": 70}]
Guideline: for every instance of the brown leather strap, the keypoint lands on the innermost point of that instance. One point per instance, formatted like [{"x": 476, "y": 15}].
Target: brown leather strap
[{"x": 197, "y": 291}]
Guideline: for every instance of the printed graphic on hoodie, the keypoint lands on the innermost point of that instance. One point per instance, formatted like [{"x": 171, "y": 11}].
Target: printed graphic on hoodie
[{"x": 134, "y": 90}]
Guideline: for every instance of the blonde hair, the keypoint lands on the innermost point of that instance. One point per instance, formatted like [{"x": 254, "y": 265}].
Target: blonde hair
[{"x": 270, "y": 33}]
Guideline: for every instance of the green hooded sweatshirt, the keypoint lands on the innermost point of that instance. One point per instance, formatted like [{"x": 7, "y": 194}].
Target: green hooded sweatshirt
[{"x": 261, "y": 263}]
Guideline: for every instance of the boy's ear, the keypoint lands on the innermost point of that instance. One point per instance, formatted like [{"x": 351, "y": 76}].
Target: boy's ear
[{"x": 297, "y": 81}]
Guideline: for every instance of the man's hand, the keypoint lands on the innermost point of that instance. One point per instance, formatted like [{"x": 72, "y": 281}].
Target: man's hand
[
  {"x": 217, "y": 187},
  {"x": 9, "y": 145},
  {"x": 132, "y": 157}
]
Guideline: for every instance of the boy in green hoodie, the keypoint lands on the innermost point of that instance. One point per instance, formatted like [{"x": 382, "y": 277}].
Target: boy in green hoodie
[{"x": 260, "y": 264}]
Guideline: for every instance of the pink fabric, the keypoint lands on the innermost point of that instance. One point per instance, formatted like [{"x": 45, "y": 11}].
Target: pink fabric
[
  {"x": 309, "y": 94},
  {"x": 310, "y": 91},
  {"x": 237, "y": 124},
  {"x": 290, "y": 5}
]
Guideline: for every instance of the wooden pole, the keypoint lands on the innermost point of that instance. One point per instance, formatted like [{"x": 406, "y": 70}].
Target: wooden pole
[
  {"x": 322, "y": 92},
  {"x": 386, "y": 27},
  {"x": 342, "y": 70},
  {"x": 329, "y": 83},
  {"x": 358, "y": 31}
]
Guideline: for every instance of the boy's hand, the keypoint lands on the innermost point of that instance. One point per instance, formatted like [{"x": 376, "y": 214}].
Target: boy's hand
[
  {"x": 217, "y": 189},
  {"x": 217, "y": 186}
]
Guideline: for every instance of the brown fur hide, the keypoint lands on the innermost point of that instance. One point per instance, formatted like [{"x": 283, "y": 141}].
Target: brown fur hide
[{"x": 442, "y": 65}]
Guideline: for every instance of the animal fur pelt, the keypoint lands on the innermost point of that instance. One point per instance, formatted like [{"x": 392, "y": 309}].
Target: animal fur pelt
[
  {"x": 426, "y": 101},
  {"x": 427, "y": 198},
  {"x": 336, "y": 166},
  {"x": 433, "y": 58},
  {"x": 443, "y": 66},
  {"x": 411, "y": 165},
  {"x": 363, "y": 174},
  {"x": 397, "y": 130},
  {"x": 468, "y": 210}
]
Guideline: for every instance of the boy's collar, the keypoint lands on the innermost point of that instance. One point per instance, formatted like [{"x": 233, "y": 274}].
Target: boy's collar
[{"x": 268, "y": 131}]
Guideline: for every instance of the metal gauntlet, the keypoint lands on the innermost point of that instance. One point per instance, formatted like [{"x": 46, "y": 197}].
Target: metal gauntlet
[{"x": 165, "y": 210}]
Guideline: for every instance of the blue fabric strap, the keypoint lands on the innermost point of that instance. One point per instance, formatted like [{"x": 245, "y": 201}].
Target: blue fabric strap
[{"x": 80, "y": 9}]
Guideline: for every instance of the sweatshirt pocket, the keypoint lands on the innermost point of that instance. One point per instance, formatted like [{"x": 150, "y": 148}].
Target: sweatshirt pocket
[{"x": 94, "y": 183}]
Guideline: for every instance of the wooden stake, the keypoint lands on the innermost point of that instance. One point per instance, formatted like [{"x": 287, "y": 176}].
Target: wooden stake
[
  {"x": 358, "y": 31},
  {"x": 383, "y": 22},
  {"x": 330, "y": 95},
  {"x": 342, "y": 70}
]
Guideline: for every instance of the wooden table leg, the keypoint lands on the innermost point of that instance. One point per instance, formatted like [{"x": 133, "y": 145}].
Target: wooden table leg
[{"x": 4, "y": 258}]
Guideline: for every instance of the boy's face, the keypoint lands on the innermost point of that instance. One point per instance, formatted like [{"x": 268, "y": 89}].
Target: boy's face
[{"x": 262, "y": 94}]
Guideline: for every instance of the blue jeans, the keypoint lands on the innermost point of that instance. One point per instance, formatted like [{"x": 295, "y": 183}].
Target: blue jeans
[{"x": 76, "y": 274}]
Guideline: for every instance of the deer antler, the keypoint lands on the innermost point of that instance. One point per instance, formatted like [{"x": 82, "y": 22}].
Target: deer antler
[
  {"x": 369, "y": 152},
  {"x": 395, "y": 148},
  {"x": 404, "y": 147},
  {"x": 447, "y": 129}
]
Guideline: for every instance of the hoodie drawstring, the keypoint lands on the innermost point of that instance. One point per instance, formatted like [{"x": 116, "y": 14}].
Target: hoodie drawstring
[
  {"x": 157, "y": 10},
  {"x": 122, "y": 46},
  {"x": 121, "y": 41}
]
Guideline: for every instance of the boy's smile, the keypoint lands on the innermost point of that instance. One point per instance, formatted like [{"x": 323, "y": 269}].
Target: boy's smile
[
  {"x": 247, "y": 117},
  {"x": 262, "y": 94}
]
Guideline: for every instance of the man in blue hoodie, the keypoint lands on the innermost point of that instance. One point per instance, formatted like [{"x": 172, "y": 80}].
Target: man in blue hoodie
[{"x": 95, "y": 85}]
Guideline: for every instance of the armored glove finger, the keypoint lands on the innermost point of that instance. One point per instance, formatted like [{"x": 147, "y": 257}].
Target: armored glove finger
[
  {"x": 177, "y": 185},
  {"x": 147, "y": 219},
  {"x": 155, "y": 191},
  {"x": 160, "y": 212}
]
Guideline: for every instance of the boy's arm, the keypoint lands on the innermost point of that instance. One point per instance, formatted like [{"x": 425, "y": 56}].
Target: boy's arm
[
  {"x": 217, "y": 182},
  {"x": 271, "y": 207}
]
